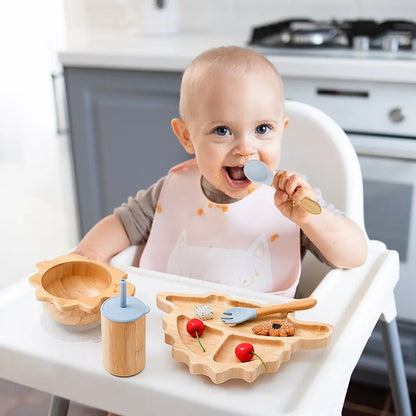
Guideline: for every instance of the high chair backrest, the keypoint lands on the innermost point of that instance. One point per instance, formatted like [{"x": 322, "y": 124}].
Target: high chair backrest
[{"x": 316, "y": 146}]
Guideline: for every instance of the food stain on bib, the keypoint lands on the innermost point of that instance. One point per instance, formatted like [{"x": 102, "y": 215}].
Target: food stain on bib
[
  {"x": 223, "y": 207},
  {"x": 199, "y": 211},
  {"x": 273, "y": 237},
  {"x": 159, "y": 209}
]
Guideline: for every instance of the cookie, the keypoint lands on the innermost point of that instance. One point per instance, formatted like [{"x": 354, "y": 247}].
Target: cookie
[{"x": 276, "y": 328}]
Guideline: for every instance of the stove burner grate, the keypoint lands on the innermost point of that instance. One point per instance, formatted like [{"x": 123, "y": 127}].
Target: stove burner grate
[{"x": 390, "y": 35}]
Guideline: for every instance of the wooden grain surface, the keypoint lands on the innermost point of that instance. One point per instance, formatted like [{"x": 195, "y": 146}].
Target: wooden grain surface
[
  {"x": 219, "y": 362},
  {"x": 72, "y": 288}
]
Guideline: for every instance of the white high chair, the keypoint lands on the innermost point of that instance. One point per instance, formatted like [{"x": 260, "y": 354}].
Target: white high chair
[{"x": 316, "y": 146}]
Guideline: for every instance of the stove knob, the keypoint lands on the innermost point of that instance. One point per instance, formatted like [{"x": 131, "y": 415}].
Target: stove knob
[
  {"x": 396, "y": 115},
  {"x": 390, "y": 43},
  {"x": 285, "y": 37},
  {"x": 361, "y": 43}
]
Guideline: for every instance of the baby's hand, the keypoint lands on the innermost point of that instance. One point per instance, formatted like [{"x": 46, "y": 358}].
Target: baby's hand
[{"x": 290, "y": 189}]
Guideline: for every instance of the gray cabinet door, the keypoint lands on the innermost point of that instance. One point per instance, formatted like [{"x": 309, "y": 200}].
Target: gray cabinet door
[{"x": 121, "y": 137}]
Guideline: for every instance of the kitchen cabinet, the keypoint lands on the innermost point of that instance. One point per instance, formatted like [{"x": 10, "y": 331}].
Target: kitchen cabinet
[
  {"x": 122, "y": 142},
  {"x": 121, "y": 139}
]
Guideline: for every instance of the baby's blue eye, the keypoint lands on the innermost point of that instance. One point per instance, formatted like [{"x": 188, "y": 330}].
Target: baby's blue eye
[
  {"x": 222, "y": 131},
  {"x": 262, "y": 129}
]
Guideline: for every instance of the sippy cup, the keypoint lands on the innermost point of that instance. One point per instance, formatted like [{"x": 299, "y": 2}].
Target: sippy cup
[{"x": 123, "y": 328}]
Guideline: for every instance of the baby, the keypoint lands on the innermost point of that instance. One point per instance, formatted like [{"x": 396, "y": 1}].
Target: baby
[{"x": 205, "y": 219}]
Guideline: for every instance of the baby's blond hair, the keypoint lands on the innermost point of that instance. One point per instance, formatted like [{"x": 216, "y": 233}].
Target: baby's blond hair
[{"x": 226, "y": 59}]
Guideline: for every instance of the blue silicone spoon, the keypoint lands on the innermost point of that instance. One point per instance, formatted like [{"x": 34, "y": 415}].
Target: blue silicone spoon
[{"x": 259, "y": 172}]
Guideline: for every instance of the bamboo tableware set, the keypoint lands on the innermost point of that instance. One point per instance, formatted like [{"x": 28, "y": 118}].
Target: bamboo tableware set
[{"x": 76, "y": 291}]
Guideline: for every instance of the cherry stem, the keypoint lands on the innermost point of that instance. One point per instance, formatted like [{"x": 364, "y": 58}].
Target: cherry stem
[
  {"x": 258, "y": 356},
  {"x": 197, "y": 337}
]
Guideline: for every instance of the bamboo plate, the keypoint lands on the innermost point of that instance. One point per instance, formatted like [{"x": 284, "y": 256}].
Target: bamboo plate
[
  {"x": 219, "y": 362},
  {"x": 72, "y": 288}
]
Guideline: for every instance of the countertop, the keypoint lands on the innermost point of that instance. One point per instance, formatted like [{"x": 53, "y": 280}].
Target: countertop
[{"x": 173, "y": 53}]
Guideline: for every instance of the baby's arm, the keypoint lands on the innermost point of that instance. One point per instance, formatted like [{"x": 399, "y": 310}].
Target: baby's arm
[
  {"x": 341, "y": 241},
  {"x": 130, "y": 224},
  {"x": 107, "y": 238}
]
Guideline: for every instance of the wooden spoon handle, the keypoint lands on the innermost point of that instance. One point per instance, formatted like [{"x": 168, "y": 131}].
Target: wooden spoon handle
[
  {"x": 296, "y": 305},
  {"x": 310, "y": 205}
]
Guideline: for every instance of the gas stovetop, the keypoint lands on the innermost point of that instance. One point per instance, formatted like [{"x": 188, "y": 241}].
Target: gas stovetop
[{"x": 394, "y": 39}]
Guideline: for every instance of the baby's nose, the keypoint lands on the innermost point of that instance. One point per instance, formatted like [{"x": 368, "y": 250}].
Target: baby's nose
[{"x": 245, "y": 145}]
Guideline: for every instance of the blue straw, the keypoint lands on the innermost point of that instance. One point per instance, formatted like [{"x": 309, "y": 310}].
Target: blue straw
[{"x": 123, "y": 296}]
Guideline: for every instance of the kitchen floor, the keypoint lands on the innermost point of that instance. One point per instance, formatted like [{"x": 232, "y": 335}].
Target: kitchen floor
[
  {"x": 16, "y": 400},
  {"x": 39, "y": 224}
]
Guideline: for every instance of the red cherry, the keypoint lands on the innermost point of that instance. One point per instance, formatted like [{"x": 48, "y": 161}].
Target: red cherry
[
  {"x": 195, "y": 327},
  {"x": 245, "y": 351}
]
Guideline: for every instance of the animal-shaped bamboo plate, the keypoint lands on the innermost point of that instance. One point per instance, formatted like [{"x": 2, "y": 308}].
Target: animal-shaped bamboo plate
[
  {"x": 219, "y": 362},
  {"x": 72, "y": 288}
]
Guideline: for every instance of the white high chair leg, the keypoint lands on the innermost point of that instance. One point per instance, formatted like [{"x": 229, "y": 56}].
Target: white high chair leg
[
  {"x": 397, "y": 375},
  {"x": 58, "y": 406}
]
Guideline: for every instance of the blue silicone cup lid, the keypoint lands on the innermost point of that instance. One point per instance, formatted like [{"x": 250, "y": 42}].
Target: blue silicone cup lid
[
  {"x": 123, "y": 308},
  {"x": 133, "y": 310}
]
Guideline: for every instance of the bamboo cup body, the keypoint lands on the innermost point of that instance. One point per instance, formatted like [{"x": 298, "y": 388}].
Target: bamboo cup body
[
  {"x": 123, "y": 332},
  {"x": 124, "y": 346}
]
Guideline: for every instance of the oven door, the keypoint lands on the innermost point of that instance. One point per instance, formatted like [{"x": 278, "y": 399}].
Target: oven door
[{"x": 389, "y": 176}]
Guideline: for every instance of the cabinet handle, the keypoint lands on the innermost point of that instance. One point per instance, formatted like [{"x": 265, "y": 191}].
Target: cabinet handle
[
  {"x": 344, "y": 93},
  {"x": 59, "y": 103}
]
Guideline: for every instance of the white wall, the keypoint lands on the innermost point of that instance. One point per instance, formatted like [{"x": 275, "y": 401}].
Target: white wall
[
  {"x": 37, "y": 215},
  {"x": 121, "y": 16},
  {"x": 242, "y": 14}
]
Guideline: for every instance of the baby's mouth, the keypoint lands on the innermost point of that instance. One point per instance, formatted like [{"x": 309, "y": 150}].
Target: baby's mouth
[
  {"x": 236, "y": 173},
  {"x": 236, "y": 176}
]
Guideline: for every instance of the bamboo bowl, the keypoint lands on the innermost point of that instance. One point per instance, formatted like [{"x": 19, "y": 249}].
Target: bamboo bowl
[{"x": 72, "y": 288}]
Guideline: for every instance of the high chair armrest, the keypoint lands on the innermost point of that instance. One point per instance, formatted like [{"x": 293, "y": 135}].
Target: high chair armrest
[
  {"x": 357, "y": 289},
  {"x": 124, "y": 258}
]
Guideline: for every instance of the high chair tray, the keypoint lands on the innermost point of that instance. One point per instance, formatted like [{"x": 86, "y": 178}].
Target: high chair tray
[
  {"x": 67, "y": 361},
  {"x": 219, "y": 361}
]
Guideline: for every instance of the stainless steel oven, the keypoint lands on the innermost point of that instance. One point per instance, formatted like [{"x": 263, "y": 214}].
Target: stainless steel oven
[{"x": 390, "y": 210}]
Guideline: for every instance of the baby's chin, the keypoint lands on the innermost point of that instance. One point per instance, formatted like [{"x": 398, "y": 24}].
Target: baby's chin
[{"x": 241, "y": 193}]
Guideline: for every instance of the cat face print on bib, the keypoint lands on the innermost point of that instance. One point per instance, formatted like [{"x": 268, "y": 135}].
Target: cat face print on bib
[{"x": 236, "y": 267}]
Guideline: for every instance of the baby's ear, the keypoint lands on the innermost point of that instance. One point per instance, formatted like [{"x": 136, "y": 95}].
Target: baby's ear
[{"x": 182, "y": 133}]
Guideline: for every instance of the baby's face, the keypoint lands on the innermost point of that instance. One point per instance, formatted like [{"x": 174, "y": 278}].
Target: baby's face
[{"x": 236, "y": 118}]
